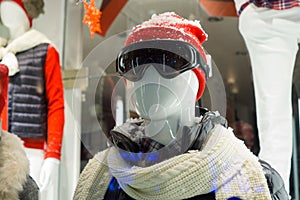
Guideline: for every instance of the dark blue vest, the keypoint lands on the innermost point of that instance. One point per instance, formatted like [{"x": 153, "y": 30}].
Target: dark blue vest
[{"x": 27, "y": 107}]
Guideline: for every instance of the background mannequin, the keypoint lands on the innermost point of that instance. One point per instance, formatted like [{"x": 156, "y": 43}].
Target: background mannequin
[
  {"x": 44, "y": 106},
  {"x": 272, "y": 49}
]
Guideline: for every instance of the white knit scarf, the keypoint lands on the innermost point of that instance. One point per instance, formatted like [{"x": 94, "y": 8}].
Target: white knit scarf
[{"x": 224, "y": 165}]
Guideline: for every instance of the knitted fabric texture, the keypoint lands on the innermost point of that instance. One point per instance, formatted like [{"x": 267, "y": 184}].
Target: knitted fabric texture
[
  {"x": 171, "y": 26},
  {"x": 224, "y": 165},
  {"x": 94, "y": 179}
]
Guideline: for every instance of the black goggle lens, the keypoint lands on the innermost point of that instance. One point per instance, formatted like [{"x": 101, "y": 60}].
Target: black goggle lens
[{"x": 170, "y": 59}]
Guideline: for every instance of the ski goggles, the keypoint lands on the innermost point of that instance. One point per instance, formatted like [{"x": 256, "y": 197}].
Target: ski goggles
[{"x": 169, "y": 57}]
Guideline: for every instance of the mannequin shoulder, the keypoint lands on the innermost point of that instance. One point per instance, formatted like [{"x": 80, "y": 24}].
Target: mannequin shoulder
[{"x": 211, "y": 117}]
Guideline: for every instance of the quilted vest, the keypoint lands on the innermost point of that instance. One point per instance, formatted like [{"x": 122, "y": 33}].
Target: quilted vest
[{"x": 27, "y": 107}]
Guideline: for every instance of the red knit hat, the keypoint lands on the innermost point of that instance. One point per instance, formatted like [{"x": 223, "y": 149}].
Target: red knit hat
[
  {"x": 20, "y": 3},
  {"x": 171, "y": 26}
]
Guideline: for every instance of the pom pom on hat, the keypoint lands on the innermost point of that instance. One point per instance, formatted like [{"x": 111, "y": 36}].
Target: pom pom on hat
[{"x": 172, "y": 26}]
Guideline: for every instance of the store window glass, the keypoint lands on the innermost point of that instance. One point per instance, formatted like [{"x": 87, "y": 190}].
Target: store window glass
[{"x": 232, "y": 73}]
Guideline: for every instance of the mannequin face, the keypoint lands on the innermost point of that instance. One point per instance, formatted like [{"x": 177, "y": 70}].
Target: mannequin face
[
  {"x": 161, "y": 85},
  {"x": 14, "y": 18},
  {"x": 157, "y": 98}
]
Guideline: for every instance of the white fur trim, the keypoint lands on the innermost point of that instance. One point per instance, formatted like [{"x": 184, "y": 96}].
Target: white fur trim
[
  {"x": 26, "y": 41},
  {"x": 14, "y": 166},
  {"x": 11, "y": 61}
]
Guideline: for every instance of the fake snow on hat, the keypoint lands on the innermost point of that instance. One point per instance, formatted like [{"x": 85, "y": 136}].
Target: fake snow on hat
[{"x": 171, "y": 26}]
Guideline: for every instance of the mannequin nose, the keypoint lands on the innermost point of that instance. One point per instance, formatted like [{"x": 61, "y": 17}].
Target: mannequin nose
[
  {"x": 157, "y": 111},
  {"x": 151, "y": 71}
]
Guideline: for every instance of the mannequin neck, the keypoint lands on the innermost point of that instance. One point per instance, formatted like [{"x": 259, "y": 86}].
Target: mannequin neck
[
  {"x": 165, "y": 130},
  {"x": 16, "y": 32}
]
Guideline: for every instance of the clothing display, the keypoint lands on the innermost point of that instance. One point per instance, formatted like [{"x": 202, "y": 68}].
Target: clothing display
[
  {"x": 48, "y": 95},
  {"x": 272, "y": 52},
  {"x": 154, "y": 102},
  {"x": 35, "y": 109},
  {"x": 169, "y": 153},
  {"x": 49, "y": 103}
]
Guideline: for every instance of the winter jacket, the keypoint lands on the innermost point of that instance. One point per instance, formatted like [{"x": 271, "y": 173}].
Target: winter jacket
[
  {"x": 27, "y": 105},
  {"x": 36, "y": 105}
]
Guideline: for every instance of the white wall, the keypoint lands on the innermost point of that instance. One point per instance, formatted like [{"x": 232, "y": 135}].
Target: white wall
[
  {"x": 61, "y": 23},
  {"x": 51, "y": 23}
]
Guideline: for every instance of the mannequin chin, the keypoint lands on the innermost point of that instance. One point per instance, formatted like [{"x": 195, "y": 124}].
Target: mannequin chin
[
  {"x": 14, "y": 18},
  {"x": 164, "y": 104}
]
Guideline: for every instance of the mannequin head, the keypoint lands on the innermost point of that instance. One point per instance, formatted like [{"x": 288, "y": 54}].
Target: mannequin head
[
  {"x": 164, "y": 67},
  {"x": 17, "y": 15},
  {"x": 14, "y": 18},
  {"x": 171, "y": 26}
]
